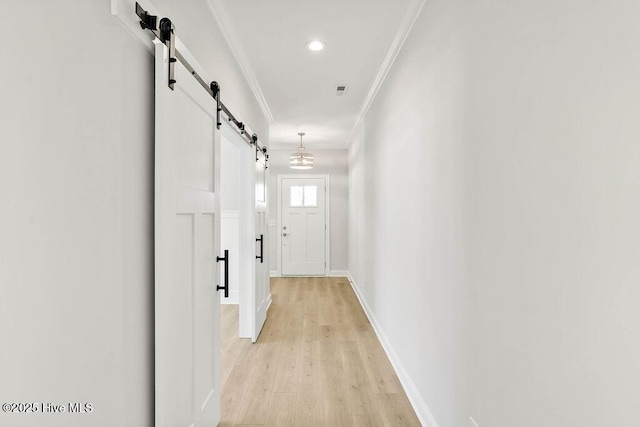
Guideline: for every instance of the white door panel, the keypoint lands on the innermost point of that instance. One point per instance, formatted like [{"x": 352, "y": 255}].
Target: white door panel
[
  {"x": 186, "y": 243},
  {"x": 303, "y": 226},
  {"x": 262, "y": 291}
]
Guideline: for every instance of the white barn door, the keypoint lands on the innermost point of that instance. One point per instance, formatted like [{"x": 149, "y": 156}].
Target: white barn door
[
  {"x": 262, "y": 292},
  {"x": 187, "y": 228}
]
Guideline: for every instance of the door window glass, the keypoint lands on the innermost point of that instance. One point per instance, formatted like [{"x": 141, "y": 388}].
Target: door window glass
[
  {"x": 306, "y": 196},
  {"x": 296, "y": 197},
  {"x": 310, "y": 195}
]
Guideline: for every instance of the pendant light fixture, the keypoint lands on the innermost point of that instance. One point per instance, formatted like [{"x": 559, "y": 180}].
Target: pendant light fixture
[{"x": 301, "y": 159}]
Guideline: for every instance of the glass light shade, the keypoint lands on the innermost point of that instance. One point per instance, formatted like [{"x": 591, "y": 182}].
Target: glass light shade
[{"x": 301, "y": 159}]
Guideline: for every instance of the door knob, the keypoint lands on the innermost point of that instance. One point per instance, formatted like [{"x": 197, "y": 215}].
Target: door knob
[{"x": 285, "y": 234}]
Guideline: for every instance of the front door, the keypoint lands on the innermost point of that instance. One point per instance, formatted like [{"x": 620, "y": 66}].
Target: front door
[
  {"x": 303, "y": 226},
  {"x": 187, "y": 229}
]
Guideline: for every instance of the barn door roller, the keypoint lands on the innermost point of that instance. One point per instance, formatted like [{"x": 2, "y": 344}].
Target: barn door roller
[{"x": 167, "y": 35}]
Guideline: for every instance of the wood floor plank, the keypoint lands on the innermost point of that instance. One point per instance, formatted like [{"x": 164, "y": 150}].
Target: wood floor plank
[
  {"x": 232, "y": 394},
  {"x": 231, "y": 346},
  {"x": 309, "y": 410},
  {"x": 381, "y": 375},
  {"x": 294, "y": 327},
  {"x": 359, "y": 390},
  {"x": 228, "y": 320},
  {"x": 326, "y": 311},
  {"x": 396, "y": 410},
  {"x": 356, "y": 313},
  {"x": 310, "y": 377},
  {"x": 257, "y": 398},
  {"x": 355, "y": 374},
  {"x": 230, "y": 356},
  {"x": 288, "y": 377},
  {"x": 331, "y": 367},
  {"x": 280, "y": 413},
  {"x": 336, "y": 408},
  {"x": 364, "y": 403},
  {"x": 310, "y": 298},
  {"x": 367, "y": 421},
  {"x": 345, "y": 325},
  {"x": 317, "y": 362}
]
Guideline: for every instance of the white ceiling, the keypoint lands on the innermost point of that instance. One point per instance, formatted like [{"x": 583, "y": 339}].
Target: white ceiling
[{"x": 295, "y": 86}]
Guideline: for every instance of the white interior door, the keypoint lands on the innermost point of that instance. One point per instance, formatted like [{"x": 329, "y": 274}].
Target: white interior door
[
  {"x": 187, "y": 225},
  {"x": 232, "y": 227},
  {"x": 238, "y": 164},
  {"x": 303, "y": 226},
  {"x": 262, "y": 292}
]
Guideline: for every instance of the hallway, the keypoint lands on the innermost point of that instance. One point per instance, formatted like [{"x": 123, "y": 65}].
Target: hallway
[{"x": 317, "y": 362}]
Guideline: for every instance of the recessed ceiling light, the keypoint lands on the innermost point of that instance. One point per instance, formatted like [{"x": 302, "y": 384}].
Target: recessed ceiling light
[{"x": 315, "y": 45}]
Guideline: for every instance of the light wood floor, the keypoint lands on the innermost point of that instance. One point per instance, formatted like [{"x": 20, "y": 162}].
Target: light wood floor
[{"x": 317, "y": 362}]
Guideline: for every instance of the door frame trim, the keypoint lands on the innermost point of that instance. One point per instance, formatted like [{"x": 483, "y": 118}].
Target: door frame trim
[{"x": 327, "y": 217}]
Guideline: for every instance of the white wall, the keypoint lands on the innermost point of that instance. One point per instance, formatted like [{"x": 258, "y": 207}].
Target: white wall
[
  {"x": 554, "y": 187},
  {"x": 333, "y": 163},
  {"x": 493, "y": 212},
  {"x": 405, "y": 246},
  {"x": 76, "y": 227}
]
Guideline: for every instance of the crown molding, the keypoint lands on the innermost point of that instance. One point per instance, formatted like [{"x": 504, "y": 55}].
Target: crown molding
[
  {"x": 409, "y": 20},
  {"x": 222, "y": 18}
]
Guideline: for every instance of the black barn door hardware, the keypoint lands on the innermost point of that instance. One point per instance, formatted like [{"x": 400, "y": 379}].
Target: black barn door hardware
[
  {"x": 166, "y": 34},
  {"x": 226, "y": 273},
  {"x": 147, "y": 22},
  {"x": 215, "y": 92},
  {"x": 261, "y": 256}
]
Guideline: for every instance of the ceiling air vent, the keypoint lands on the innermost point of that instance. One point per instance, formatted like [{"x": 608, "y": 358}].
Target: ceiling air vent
[{"x": 341, "y": 90}]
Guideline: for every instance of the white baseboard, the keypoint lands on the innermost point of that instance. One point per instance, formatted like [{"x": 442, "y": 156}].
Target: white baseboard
[
  {"x": 338, "y": 273},
  {"x": 418, "y": 403},
  {"x": 330, "y": 273}
]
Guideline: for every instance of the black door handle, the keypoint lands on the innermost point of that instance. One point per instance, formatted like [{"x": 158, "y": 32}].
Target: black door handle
[
  {"x": 260, "y": 257},
  {"x": 226, "y": 273}
]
